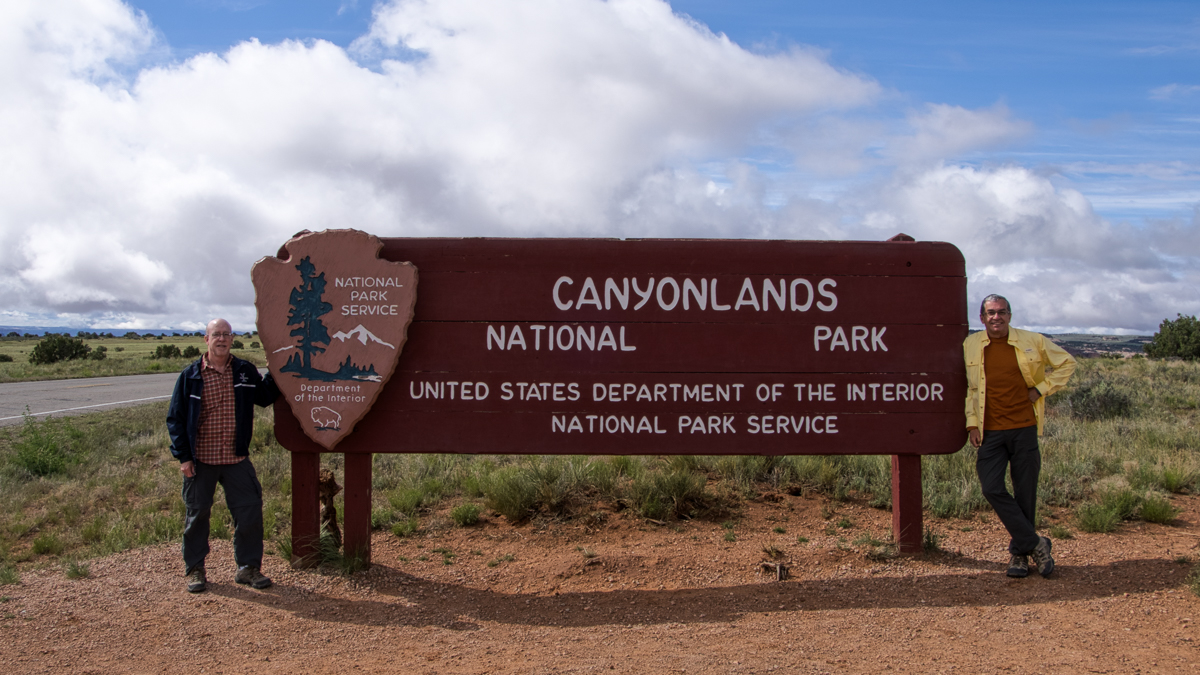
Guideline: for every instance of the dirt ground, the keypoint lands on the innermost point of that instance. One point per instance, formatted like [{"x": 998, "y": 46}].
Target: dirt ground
[{"x": 615, "y": 593}]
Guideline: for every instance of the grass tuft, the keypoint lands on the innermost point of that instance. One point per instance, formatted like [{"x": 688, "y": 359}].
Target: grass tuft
[
  {"x": 495, "y": 562},
  {"x": 931, "y": 542},
  {"x": 1158, "y": 509},
  {"x": 465, "y": 515},
  {"x": 78, "y": 570},
  {"x": 1060, "y": 532},
  {"x": 405, "y": 528}
]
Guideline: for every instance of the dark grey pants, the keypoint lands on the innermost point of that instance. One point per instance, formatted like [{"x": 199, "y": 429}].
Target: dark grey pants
[
  {"x": 1017, "y": 451},
  {"x": 243, "y": 496}
]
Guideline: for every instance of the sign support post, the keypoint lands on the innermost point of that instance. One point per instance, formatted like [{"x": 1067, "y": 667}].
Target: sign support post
[
  {"x": 907, "y": 498},
  {"x": 357, "y": 518},
  {"x": 306, "y": 510}
]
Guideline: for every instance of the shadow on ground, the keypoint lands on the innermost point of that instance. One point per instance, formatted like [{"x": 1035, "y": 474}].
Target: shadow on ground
[{"x": 414, "y": 601}]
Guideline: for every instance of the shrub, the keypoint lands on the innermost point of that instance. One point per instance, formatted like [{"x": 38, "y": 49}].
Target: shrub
[
  {"x": 1106, "y": 513},
  {"x": 406, "y": 527},
  {"x": 511, "y": 492},
  {"x": 9, "y": 575},
  {"x": 1158, "y": 509},
  {"x": 5, "y": 358},
  {"x": 237, "y": 344},
  {"x": 45, "y": 448},
  {"x": 55, "y": 348},
  {"x": 167, "y": 352},
  {"x": 191, "y": 352},
  {"x": 1096, "y": 400},
  {"x": 1177, "y": 479},
  {"x": 407, "y": 501},
  {"x": 1060, "y": 532},
  {"x": 674, "y": 492},
  {"x": 99, "y": 353},
  {"x": 465, "y": 514},
  {"x": 254, "y": 345},
  {"x": 47, "y": 544},
  {"x": 1180, "y": 337}
]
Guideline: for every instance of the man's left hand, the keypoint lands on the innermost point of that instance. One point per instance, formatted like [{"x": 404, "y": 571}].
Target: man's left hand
[{"x": 1034, "y": 394}]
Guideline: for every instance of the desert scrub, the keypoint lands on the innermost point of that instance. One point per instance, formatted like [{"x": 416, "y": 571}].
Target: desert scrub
[
  {"x": 670, "y": 490},
  {"x": 47, "y": 447},
  {"x": 119, "y": 488},
  {"x": 1157, "y": 509},
  {"x": 122, "y": 356},
  {"x": 465, "y": 515}
]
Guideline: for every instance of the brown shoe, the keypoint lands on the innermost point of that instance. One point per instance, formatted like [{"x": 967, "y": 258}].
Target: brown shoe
[
  {"x": 1018, "y": 567},
  {"x": 251, "y": 577},
  {"x": 1042, "y": 558},
  {"x": 196, "y": 581}
]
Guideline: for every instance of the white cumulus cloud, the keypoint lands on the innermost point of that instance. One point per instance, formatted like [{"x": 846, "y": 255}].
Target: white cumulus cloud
[{"x": 137, "y": 190}]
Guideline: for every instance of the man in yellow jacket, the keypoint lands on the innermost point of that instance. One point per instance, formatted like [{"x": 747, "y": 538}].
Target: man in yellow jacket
[{"x": 1007, "y": 382}]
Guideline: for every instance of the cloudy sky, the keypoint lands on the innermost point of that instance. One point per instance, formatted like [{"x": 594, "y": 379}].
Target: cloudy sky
[{"x": 152, "y": 150}]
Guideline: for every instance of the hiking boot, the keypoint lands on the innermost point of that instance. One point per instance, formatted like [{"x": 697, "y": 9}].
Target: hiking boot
[
  {"x": 251, "y": 577},
  {"x": 196, "y": 581},
  {"x": 1018, "y": 567},
  {"x": 1042, "y": 558}
]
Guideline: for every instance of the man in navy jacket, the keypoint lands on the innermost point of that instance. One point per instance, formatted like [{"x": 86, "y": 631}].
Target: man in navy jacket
[{"x": 210, "y": 421}]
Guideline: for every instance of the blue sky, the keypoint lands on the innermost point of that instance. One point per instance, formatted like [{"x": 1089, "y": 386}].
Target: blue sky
[{"x": 1055, "y": 143}]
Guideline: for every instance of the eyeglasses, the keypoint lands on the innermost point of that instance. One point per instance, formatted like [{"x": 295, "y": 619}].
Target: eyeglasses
[
  {"x": 218, "y": 336},
  {"x": 991, "y": 313}
]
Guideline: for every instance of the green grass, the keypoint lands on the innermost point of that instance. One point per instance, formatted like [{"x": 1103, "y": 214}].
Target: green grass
[
  {"x": 77, "y": 570},
  {"x": 118, "y": 490},
  {"x": 91, "y": 485},
  {"x": 1157, "y": 509},
  {"x": 126, "y": 356},
  {"x": 465, "y": 515},
  {"x": 496, "y": 562}
]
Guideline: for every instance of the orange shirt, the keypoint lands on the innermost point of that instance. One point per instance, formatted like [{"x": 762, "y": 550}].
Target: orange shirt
[{"x": 1007, "y": 405}]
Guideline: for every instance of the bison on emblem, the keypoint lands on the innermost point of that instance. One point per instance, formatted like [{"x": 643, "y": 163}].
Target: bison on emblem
[{"x": 326, "y": 418}]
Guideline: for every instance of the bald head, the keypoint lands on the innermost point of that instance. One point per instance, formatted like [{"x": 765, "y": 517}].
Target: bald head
[
  {"x": 219, "y": 338},
  {"x": 220, "y": 325}
]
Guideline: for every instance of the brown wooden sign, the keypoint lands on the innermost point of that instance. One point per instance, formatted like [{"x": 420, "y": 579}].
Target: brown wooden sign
[{"x": 600, "y": 346}]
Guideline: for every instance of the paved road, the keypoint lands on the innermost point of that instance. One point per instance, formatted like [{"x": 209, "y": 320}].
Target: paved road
[{"x": 73, "y": 397}]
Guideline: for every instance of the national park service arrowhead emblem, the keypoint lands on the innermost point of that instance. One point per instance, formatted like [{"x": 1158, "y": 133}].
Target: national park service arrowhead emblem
[{"x": 333, "y": 318}]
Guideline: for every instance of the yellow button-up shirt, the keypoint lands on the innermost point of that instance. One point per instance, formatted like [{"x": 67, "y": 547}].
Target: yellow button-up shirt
[{"x": 1043, "y": 364}]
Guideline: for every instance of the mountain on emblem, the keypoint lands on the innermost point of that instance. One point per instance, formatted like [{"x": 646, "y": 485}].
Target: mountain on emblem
[
  {"x": 333, "y": 318},
  {"x": 362, "y": 335}
]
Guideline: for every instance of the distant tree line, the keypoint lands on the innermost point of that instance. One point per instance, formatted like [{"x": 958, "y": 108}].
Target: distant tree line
[{"x": 1179, "y": 337}]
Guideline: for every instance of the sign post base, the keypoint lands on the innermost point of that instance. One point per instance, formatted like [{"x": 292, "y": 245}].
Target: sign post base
[
  {"x": 306, "y": 509},
  {"x": 907, "y": 519}
]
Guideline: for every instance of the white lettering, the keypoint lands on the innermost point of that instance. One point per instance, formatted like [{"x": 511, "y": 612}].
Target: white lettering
[
  {"x": 747, "y": 290},
  {"x": 558, "y": 302}
]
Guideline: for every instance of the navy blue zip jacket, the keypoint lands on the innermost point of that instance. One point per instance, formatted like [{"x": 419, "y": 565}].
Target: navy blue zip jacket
[{"x": 183, "y": 417}]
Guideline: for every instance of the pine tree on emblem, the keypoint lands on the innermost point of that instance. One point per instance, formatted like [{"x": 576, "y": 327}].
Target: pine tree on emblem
[{"x": 307, "y": 308}]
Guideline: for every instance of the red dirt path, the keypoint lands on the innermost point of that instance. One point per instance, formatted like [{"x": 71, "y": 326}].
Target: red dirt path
[{"x": 652, "y": 599}]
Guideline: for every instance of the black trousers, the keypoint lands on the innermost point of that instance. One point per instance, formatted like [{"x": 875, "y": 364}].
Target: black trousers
[
  {"x": 1017, "y": 451},
  {"x": 243, "y": 496}
]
